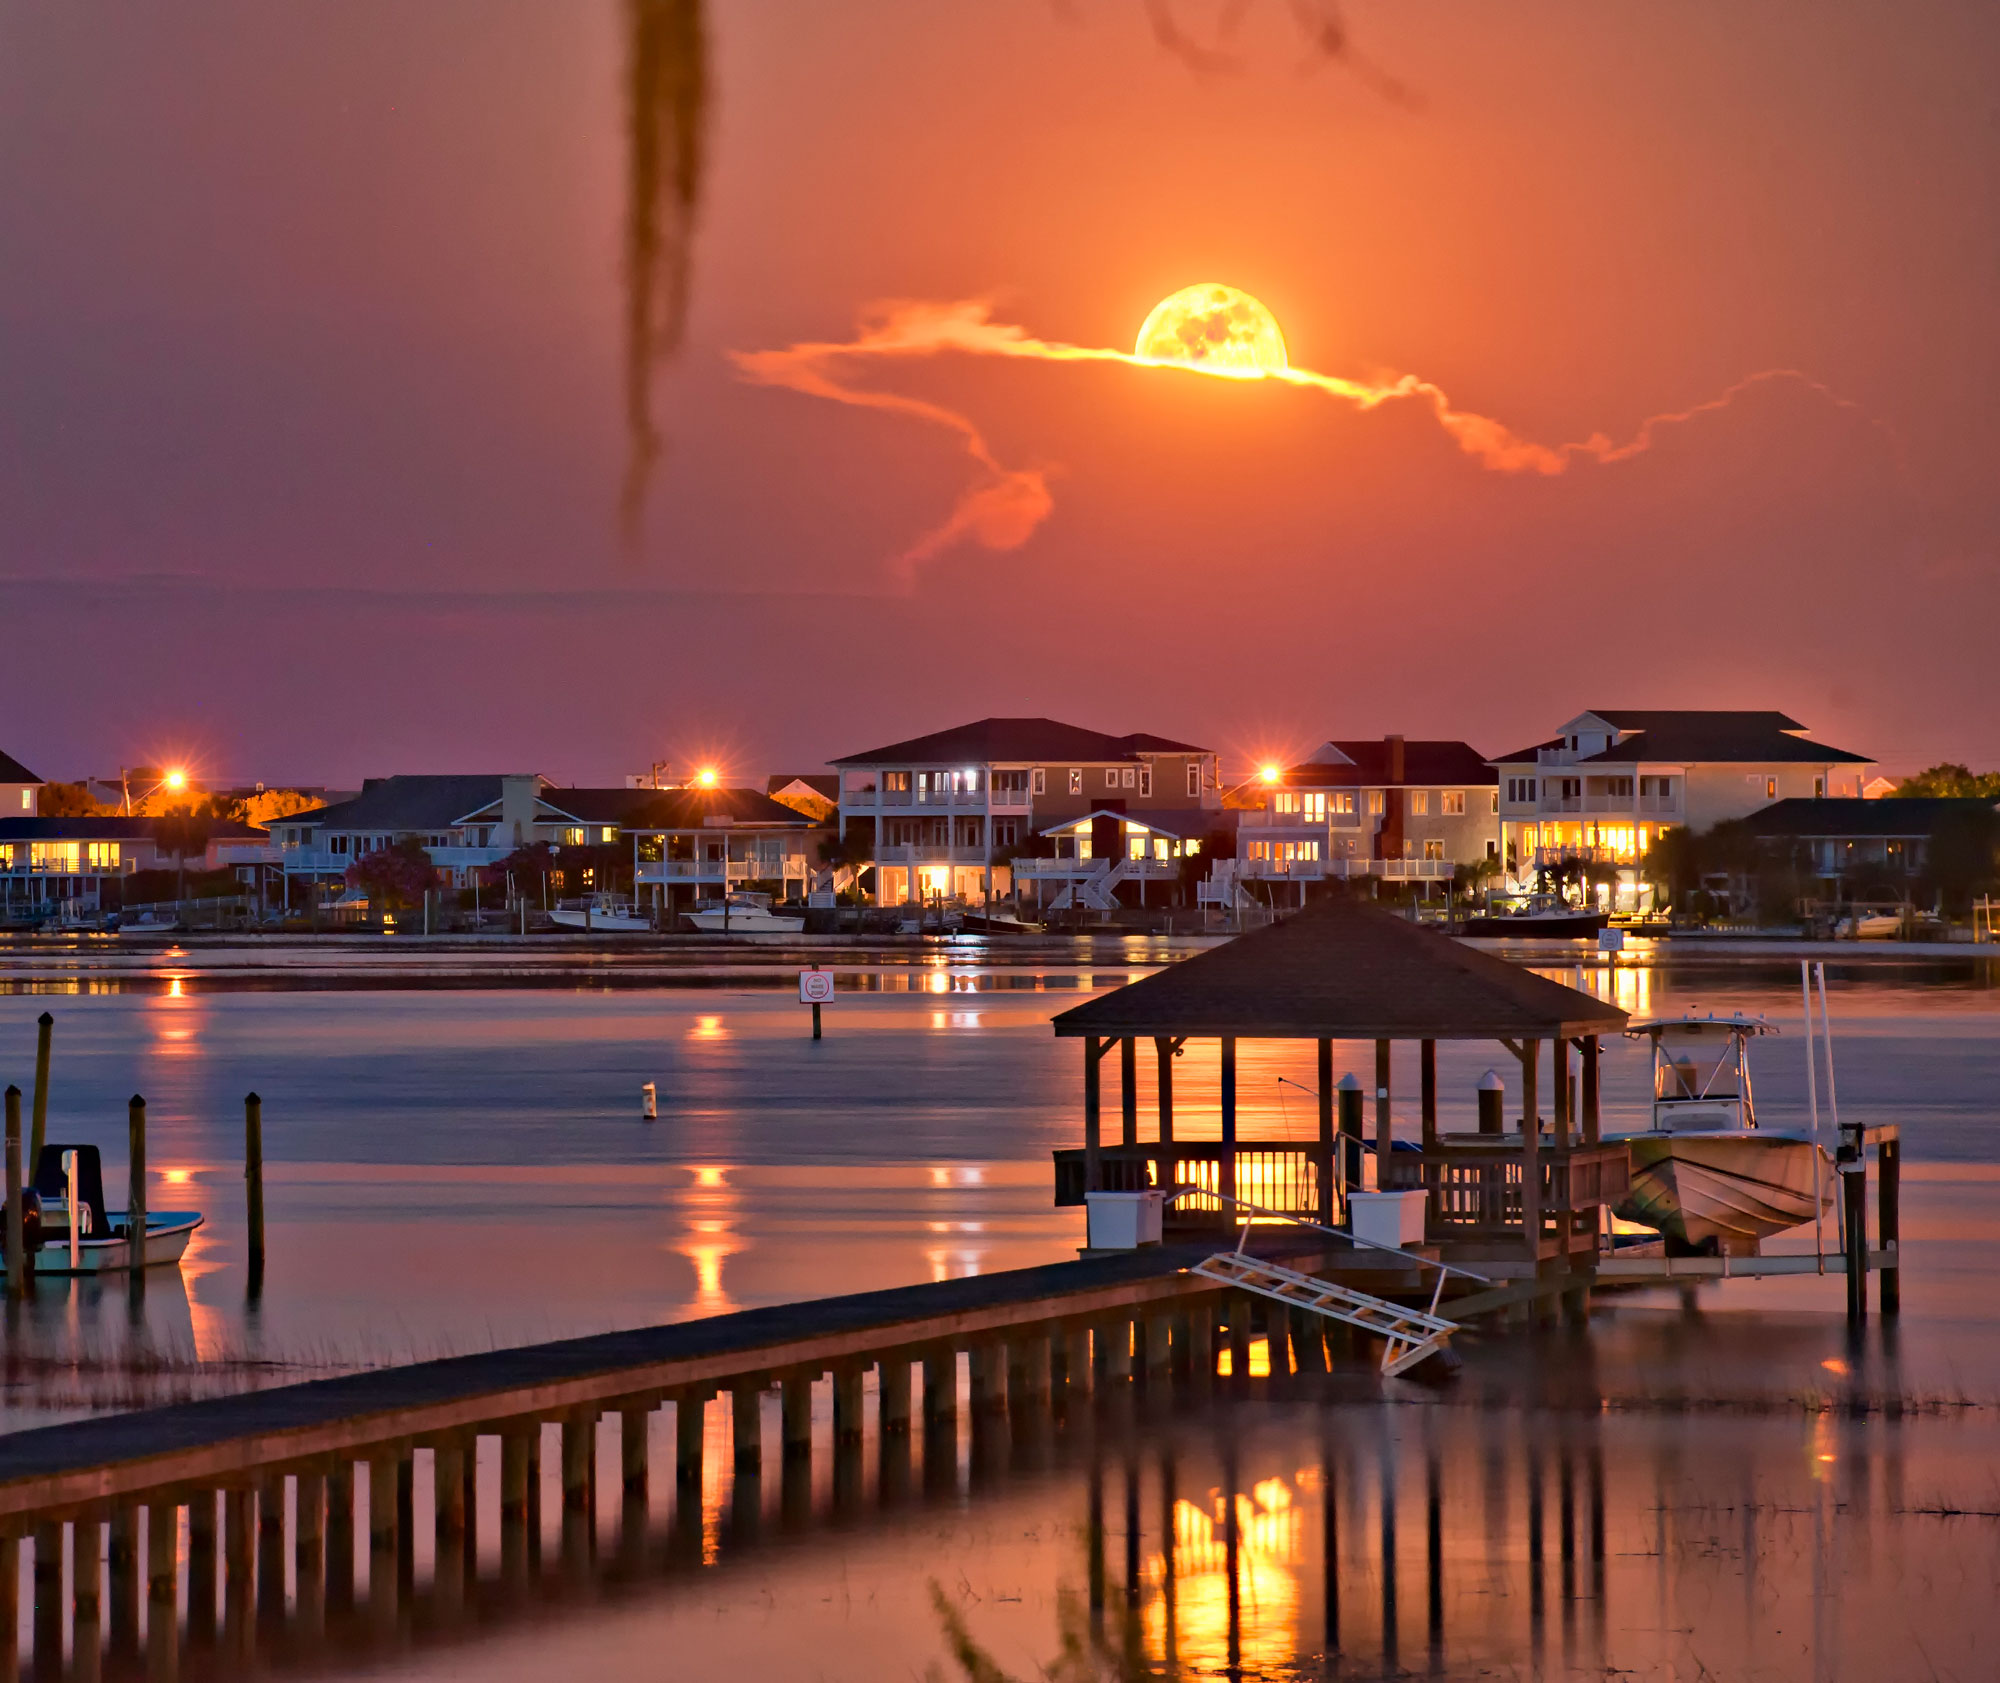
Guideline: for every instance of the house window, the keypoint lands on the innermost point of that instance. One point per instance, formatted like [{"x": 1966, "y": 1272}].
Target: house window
[
  {"x": 1420, "y": 803},
  {"x": 609, "y": 833},
  {"x": 1496, "y": 800},
  {"x": 1111, "y": 777},
  {"x": 336, "y": 844},
  {"x": 1451, "y": 803},
  {"x": 896, "y": 782},
  {"x": 437, "y": 841},
  {"x": 1770, "y": 788},
  {"x": 1193, "y": 780},
  {"x": 1041, "y": 780},
  {"x": 1006, "y": 833},
  {"x": 1076, "y": 780},
  {"x": 1520, "y": 791},
  {"x": 1131, "y": 777},
  {"x": 27, "y": 804},
  {"x": 1341, "y": 801},
  {"x": 572, "y": 837},
  {"x": 1375, "y": 803},
  {"x": 1145, "y": 780},
  {"x": 1313, "y": 806},
  {"x": 1819, "y": 788},
  {"x": 1433, "y": 850}
]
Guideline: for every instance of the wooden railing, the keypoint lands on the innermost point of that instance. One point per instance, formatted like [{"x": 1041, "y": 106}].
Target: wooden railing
[{"x": 1281, "y": 1176}]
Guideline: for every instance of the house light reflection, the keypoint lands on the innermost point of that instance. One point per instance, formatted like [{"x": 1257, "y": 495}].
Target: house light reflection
[
  {"x": 708, "y": 1028},
  {"x": 1269, "y": 1528}
]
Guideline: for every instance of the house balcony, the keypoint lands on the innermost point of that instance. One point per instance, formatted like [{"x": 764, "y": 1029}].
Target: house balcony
[
  {"x": 673, "y": 871},
  {"x": 1077, "y": 870},
  {"x": 920, "y": 854},
  {"x": 1344, "y": 869}
]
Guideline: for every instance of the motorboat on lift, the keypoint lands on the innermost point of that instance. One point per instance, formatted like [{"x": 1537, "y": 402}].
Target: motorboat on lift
[
  {"x": 744, "y": 913},
  {"x": 1540, "y": 916},
  {"x": 603, "y": 914},
  {"x": 1704, "y": 1175},
  {"x": 71, "y": 1232}
]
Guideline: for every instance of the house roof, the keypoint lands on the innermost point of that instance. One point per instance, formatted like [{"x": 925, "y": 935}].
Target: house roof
[
  {"x": 12, "y": 771},
  {"x": 1897, "y": 815},
  {"x": 1343, "y": 969},
  {"x": 106, "y": 827},
  {"x": 820, "y": 783},
  {"x": 1018, "y": 739},
  {"x": 411, "y": 802},
  {"x": 1367, "y": 766},
  {"x": 1725, "y": 736},
  {"x": 1178, "y": 822},
  {"x": 692, "y": 809},
  {"x": 600, "y": 806}
]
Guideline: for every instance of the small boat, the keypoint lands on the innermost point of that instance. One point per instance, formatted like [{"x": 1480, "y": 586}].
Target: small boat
[
  {"x": 1705, "y": 1176},
  {"x": 1002, "y": 921},
  {"x": 603, "y": 914},
  {"x": 78, "y": 1235},
  {"x": 743, "y": 914},
  {"x": 1542, "y": 916}
]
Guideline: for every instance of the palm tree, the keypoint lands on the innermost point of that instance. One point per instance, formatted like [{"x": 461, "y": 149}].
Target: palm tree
[{"x": 180, "y": 831}]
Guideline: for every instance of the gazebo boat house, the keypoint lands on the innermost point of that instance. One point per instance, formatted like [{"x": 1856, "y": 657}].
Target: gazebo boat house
[{"x": 1519, "y": 1197}]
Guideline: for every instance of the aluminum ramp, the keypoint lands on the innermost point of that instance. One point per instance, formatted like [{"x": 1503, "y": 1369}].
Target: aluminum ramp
[{"x": 1412, "y": 1335}]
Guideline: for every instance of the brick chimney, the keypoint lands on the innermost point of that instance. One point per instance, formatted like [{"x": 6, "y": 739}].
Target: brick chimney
[{"x": 1389, "y": 839}]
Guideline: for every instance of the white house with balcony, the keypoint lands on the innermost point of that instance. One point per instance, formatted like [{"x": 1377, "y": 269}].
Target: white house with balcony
[
  {"x": 1602, "y": 791},
  {"x": 1107, "y": 857},
  {"x": 959, "y": 814},
  {"x": 693, "y": 845},
  {"x": 20, "y": 789},
  {"x": 1398, "y": 809}
]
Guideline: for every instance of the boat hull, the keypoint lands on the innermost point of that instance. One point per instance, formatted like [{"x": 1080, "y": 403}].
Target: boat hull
[
  {"x": 167, "y": 1237},
  {"x": 745, "y": 923},
  {"x": 1724, "y": 1190},
  {"x": 602, "y": 923},
  {"x": 1562, "y": 926}
]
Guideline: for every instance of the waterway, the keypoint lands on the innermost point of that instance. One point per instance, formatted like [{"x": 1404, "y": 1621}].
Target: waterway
[{"x": 1727, "y": 1485}]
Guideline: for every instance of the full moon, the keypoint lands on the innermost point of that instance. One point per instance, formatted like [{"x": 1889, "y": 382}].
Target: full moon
[{"x": 1218, "y": 329}]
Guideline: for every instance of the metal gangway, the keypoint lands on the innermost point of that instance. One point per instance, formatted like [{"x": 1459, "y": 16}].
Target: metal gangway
[{"x": 1410, "y": 1336}]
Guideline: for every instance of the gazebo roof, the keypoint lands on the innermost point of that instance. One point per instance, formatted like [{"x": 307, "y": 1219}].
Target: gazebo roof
[{"x": 1344, "y": 970}]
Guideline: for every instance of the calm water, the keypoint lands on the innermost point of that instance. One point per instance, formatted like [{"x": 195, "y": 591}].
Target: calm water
[{"x": 456, "y": 1160}]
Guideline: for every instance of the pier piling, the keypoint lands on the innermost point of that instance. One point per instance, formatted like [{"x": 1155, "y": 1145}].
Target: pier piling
[
  {"x": 135, "y": 1205},
  {"x": 49, "y": 1609},
  {"x": 10, "y": 1593},
  {"x": 17, "y": 1258},
  {"x": 1854, "y": 1214},
  {"x": 340, "y": 1535},
  {"x": 271, "y": 1550},
  {"x": 1889, "y": 1223},
  {"x": 690, "y": 1426},
  {"x": 45, "y": 1028},
  {"x": 308, "y": 1547},
  {"x": 253, "y": 1185},
  {"x": 893, "y": 1394},
  {"x": 796, "y": 1417},
  {"x": 746, "y": 1422},
  {"x": 989, "y": 1378},
  {"x": 86, "y": 1588},
  {"x": 124, "y": 1553},
  {"x": 163, "y": 1583},
  {"x": 847, "y": 1394},
  {"x": 201, "y": 1567}
]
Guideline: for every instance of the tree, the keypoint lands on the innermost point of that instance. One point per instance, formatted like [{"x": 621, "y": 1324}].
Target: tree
[
  {"x": 395, "y": 876},
  {"x": 181, "y": 830},
  {"x": 70, "y": 800},
  {"x": 534, "y": 862},
  {"x": 1964, "y": 854},
  {"x": 1949, "y": 779}
]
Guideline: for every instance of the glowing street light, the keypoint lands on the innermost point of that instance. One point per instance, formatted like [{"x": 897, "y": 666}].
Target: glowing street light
[
  {"x": 1270, "y": 774},
  {"x": 176, "y": 780},
  {"x": 705, "y": 778}
]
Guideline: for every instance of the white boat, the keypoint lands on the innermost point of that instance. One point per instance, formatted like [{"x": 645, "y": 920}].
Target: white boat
[
  {"x": 743, "y": 914},
  {"x": 603, "y": 914},
  {"x": 1705, "y": 1175},
  {"x": 80, "y": 1236}
]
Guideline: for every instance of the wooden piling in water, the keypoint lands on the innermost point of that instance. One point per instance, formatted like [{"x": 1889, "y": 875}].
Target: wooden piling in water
[
  {"x": 86, "y": 1589},
  {"x": 135, "y": 1203},
  {"x": 239, "y": 1572},
  {"x": 124, "y": 1553},
  {"x": 1889, "y": 1222},
  {"x": 989, "y": 1378},
  {"x": 253, "y": 1184},
  {"x": 1854, "y": 1211},
  {"x": 201, "y": 1567},
  {"x": 690, "y": 1429},
  {"x": 308, "y": 1545},
  {"x": 746, "y": 1425},
  {"x": 1077, "y": 1373},
  {"x": 579, "y": 1446},
  {"x": 635, "y": 1468},
  {"x": 892, "y": 1397},
  {"x": 46, "y": 1639},
  {"x": 16, "y": 1236},
  {"x": 10, "y": 1593},
  {"x": 847, "y": 1404},
  {"x": 340, "y": 1534},
  {"x": 163, "y": 1583},
  {"x": 795, "y": 1417},
  {"x": 271, "y": 1549},
  {"x": 45, "y": 1028}
]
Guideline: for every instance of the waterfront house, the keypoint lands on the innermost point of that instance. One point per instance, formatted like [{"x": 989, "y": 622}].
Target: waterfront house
[
  {"x": 814, "y": 794},
  {"x": 698, "y": 844},
  {"x": 1862, "y": 847},
  {"x": 81, "y": 863},
  {"x": 1600, "y": 792},
  {"x": 1397, "y": 809},
  {"x": 960, "y": 814},
  {"x": 20, "y": 789}
]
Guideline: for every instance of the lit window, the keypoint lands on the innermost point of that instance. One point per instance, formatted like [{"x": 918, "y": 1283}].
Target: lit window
[
  {"x": 1420, "y": 803},
  {"x": 1770, "y": 788},
  {"x": 1433, "y": 850},
  {"x": 1496, "y": 799},
  {"x": 1076, "y": 780},
  {"x": 1131, "y": 776},
  {"x": 1451, "y": 803},
  {"x": 27, "y": 800},
  {"x": 1375, "y": 802},
  {"x": 1041, "y": 780},
  {"x": 1193, "y": 779},
  {"x": 1111, "y": 777},
  {"x": 1145, "y": 780},
  {"x": 610, "y": 833}
]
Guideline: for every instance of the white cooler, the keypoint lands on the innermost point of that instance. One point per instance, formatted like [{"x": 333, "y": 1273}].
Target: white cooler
[
  {"x": 1387, "y": 1218},
  {"x": 1123, "y": 1221}
]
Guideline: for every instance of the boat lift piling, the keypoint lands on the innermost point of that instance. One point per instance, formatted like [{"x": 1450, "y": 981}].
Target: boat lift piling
[
  {"x": 17, "y": 1259},
  {"x": 253, "y": 1187},
  {"x": 135, "y": 1203},
  {"x": 44, "y": 1032}
]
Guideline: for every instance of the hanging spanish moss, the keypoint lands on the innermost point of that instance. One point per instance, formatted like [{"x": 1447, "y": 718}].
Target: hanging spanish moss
[{"x": 667, "y": 88}]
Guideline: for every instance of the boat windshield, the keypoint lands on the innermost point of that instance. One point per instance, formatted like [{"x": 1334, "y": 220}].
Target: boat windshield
[{"x": 1696, "y": 1062}]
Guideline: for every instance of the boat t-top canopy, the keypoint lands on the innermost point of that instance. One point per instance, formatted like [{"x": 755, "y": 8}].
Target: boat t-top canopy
[{"x": 1735, "y": 1023}]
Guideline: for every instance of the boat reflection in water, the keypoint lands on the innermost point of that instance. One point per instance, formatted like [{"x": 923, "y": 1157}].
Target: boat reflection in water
[{"x": 1516, "y": 1527}]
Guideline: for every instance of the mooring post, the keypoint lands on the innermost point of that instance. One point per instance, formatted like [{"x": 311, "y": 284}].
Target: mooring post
[
  {"x": 892, "y": 1394},
  {"x": 1128, "y": 1090},
  {"x": 253, "y": 1184},
  {"x": 86, "y": 1588},
  {"x": 45, "y": 1028},
  {"x": 1076, "y": 1359},
  {"x": 271, "y": 1549},
  {"x": 46, "y": 1638},
  {"x": 1889, "y": 1220},
  {"x": 17, "y": 1238},
  {"x": 308, "y": 1545},
  {"x": 1093, "y": 1144},
  {"x": 1427, "y": 1073},
  {"x": 1323, "y": 1168},
  {"x": 340, "y": 1534},
  {"x": 384, "y": 1465},
  {"x": 1163, "y": 1049},
  {"x": 1590, "y": 1090},
  {"x": 1351, "y": 1101},
  {"x": 1226, "y": 1173},
  {"x": 1854, "y": 1208},
  {"x": 1384, "y": 1126},
  {"x": 135, "y": 1203}
]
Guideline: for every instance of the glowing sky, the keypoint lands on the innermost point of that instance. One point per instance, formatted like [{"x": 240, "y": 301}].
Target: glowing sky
[{"x": 311, "y": 434}]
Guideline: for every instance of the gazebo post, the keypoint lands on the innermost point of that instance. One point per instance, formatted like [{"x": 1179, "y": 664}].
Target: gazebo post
[
  {"x": 1531, "y": 1167},
  {"x": 1128, "y": 1090},
  {"x": 1226, "y": 1174},
  {"x": 1382, "y": 1115},
  {"x": 1430, "y": 1094},
  {"x": 1093, "y": 1160},
  {"x": 1590, "y": 1090},
  {"x": 1324, "y": 1169},
  {"x": 1164, "y": 1045}
]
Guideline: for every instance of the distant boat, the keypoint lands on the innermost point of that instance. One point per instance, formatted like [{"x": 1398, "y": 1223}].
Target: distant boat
[
  {"x": 1002, "y": 921},
  {"x": 1542, "y": 916},
  {"x": 78, "y": 1235},
  {"x": 743, "y": 914},
  {"x": 603, "y": 914},
  {"x": 1705, "y": 1175}
]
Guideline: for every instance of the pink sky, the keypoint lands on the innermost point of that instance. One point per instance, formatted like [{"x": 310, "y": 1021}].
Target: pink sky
[{"x": 310, "y": 448}]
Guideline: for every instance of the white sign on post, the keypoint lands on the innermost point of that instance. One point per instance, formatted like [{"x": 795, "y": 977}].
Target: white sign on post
[{"x": 815, "y": 987}]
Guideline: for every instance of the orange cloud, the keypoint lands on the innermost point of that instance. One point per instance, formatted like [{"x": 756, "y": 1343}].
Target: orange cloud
[{"x": 1003, "y": 508}]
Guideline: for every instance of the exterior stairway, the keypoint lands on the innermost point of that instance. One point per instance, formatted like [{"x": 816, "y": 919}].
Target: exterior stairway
[{"x": 1411, "y": 1335}]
